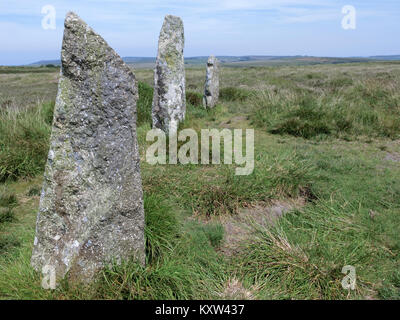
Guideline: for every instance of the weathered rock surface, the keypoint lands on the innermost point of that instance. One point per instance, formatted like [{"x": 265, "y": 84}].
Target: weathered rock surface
[
  {"x": 211, "y": 90},
  {"x": 91, "y": 207},
  {"x": 169, "y": 100}
]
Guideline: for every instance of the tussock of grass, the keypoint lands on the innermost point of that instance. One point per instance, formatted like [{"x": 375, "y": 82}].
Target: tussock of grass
[
  {"x": 34, "y": 191},
  {"x": 169, "y": 253},
  {"x": 194, "y": 98},
  {"x": 6, "y": 215},
  {"x": 214, "y": 233},
  {"x": 341, "y": 107},
  {"x": 7, "y": 244},
  {"x": 24, "y": 140},
  {"x": 8, "y": 199},
  {"x": 162, "y": 226},
  {"x": 190, "y": 271},
  {"x": 302, "y": 257},
  {"x": 391, "y": 287},
  {"x": 214, "y": 200},
  {"x": 276, "y": 175},
  {"x": 234, "y": 94},
  {"x": 144, "y": 104}
]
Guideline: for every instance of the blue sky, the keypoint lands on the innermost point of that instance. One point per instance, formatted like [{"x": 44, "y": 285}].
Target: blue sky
[{"x": 225, "y": 27}]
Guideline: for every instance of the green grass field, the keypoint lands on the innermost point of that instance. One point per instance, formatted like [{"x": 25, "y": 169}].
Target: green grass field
[{"x": 327, "y": 159}]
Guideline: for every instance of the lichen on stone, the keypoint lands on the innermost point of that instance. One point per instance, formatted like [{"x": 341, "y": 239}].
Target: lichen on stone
[
  {"x": 169, "y": 100},
  {"x": 91, "y": 207}
]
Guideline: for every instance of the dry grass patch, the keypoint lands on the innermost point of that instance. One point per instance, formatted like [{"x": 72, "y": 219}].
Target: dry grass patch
[
  {"x": 239, "y": 227},
  {"x": 234, "y": 290},
  {"x": 394, "y": 157}
]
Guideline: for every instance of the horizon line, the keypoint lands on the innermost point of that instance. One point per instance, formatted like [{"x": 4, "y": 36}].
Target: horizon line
[{"x": 228, "y": 56}]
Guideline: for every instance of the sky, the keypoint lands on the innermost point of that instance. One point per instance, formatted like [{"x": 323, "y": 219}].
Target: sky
[{"x": 224, "y": 27}]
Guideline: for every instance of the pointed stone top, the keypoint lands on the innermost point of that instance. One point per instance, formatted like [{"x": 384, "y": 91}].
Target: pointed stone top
[
  {"x": 172, "y": 24},
  {"x": 71, "y": 14},
  {"x": 72, "y": 18},
  {"x": 212, "y": 60},
  {"x": 172, "y": 18},
  {"x": 169, "y": 102},
  {"x": 84, "y": 49}
]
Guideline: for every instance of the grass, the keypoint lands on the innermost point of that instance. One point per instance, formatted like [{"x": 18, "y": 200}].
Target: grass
[
  {"x": 144, "y": 104},
  {"x": 24, "y": 140},
  {"x": 324, "y": 134},
  {"x": 391, "y": 288},
  {"x": 8, "y": 202},
  {"x": 233, "y": 94},
  {"x": 194, "y": 98},
  {"x": 214, "y": 233},
  {"x": 6, "y": 215},
  {"x": 162, "y": 227},
  {"x": 17, "y": 70},
  {"x": 337, "y": 105}
]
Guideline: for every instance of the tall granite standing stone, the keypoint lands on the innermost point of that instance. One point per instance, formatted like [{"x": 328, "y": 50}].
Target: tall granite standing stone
[
  {"x": 91, "y": 206},
  {"x": 211, "y": 90},
  {"x": 169, "y": 100}
]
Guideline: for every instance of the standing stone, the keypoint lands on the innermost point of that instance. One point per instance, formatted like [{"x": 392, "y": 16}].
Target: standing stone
[
  {"x": 211, "y": 91},
  {"x": 169, "y": 100},
  {"x": 91, "y": 207}
]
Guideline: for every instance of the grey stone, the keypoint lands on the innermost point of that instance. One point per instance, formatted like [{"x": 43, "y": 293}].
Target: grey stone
[
  {"x": 91, "y": 207},
  {"x": 169, "y": 100},
  {"x": 211, "y": 90}
]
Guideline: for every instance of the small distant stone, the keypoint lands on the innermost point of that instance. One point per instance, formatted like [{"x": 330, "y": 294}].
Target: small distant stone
[
  {"x": 169, "y": 100},
  {"x": 91, "y": 207},
  {"x": 211, "y": 90}
]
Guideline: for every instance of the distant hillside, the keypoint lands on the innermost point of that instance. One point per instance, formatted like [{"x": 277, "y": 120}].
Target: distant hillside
[
  {"x": 44, "y": 62},
  {"x": 386, "y": 58},
  {"x": 232, "y": 61}
]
